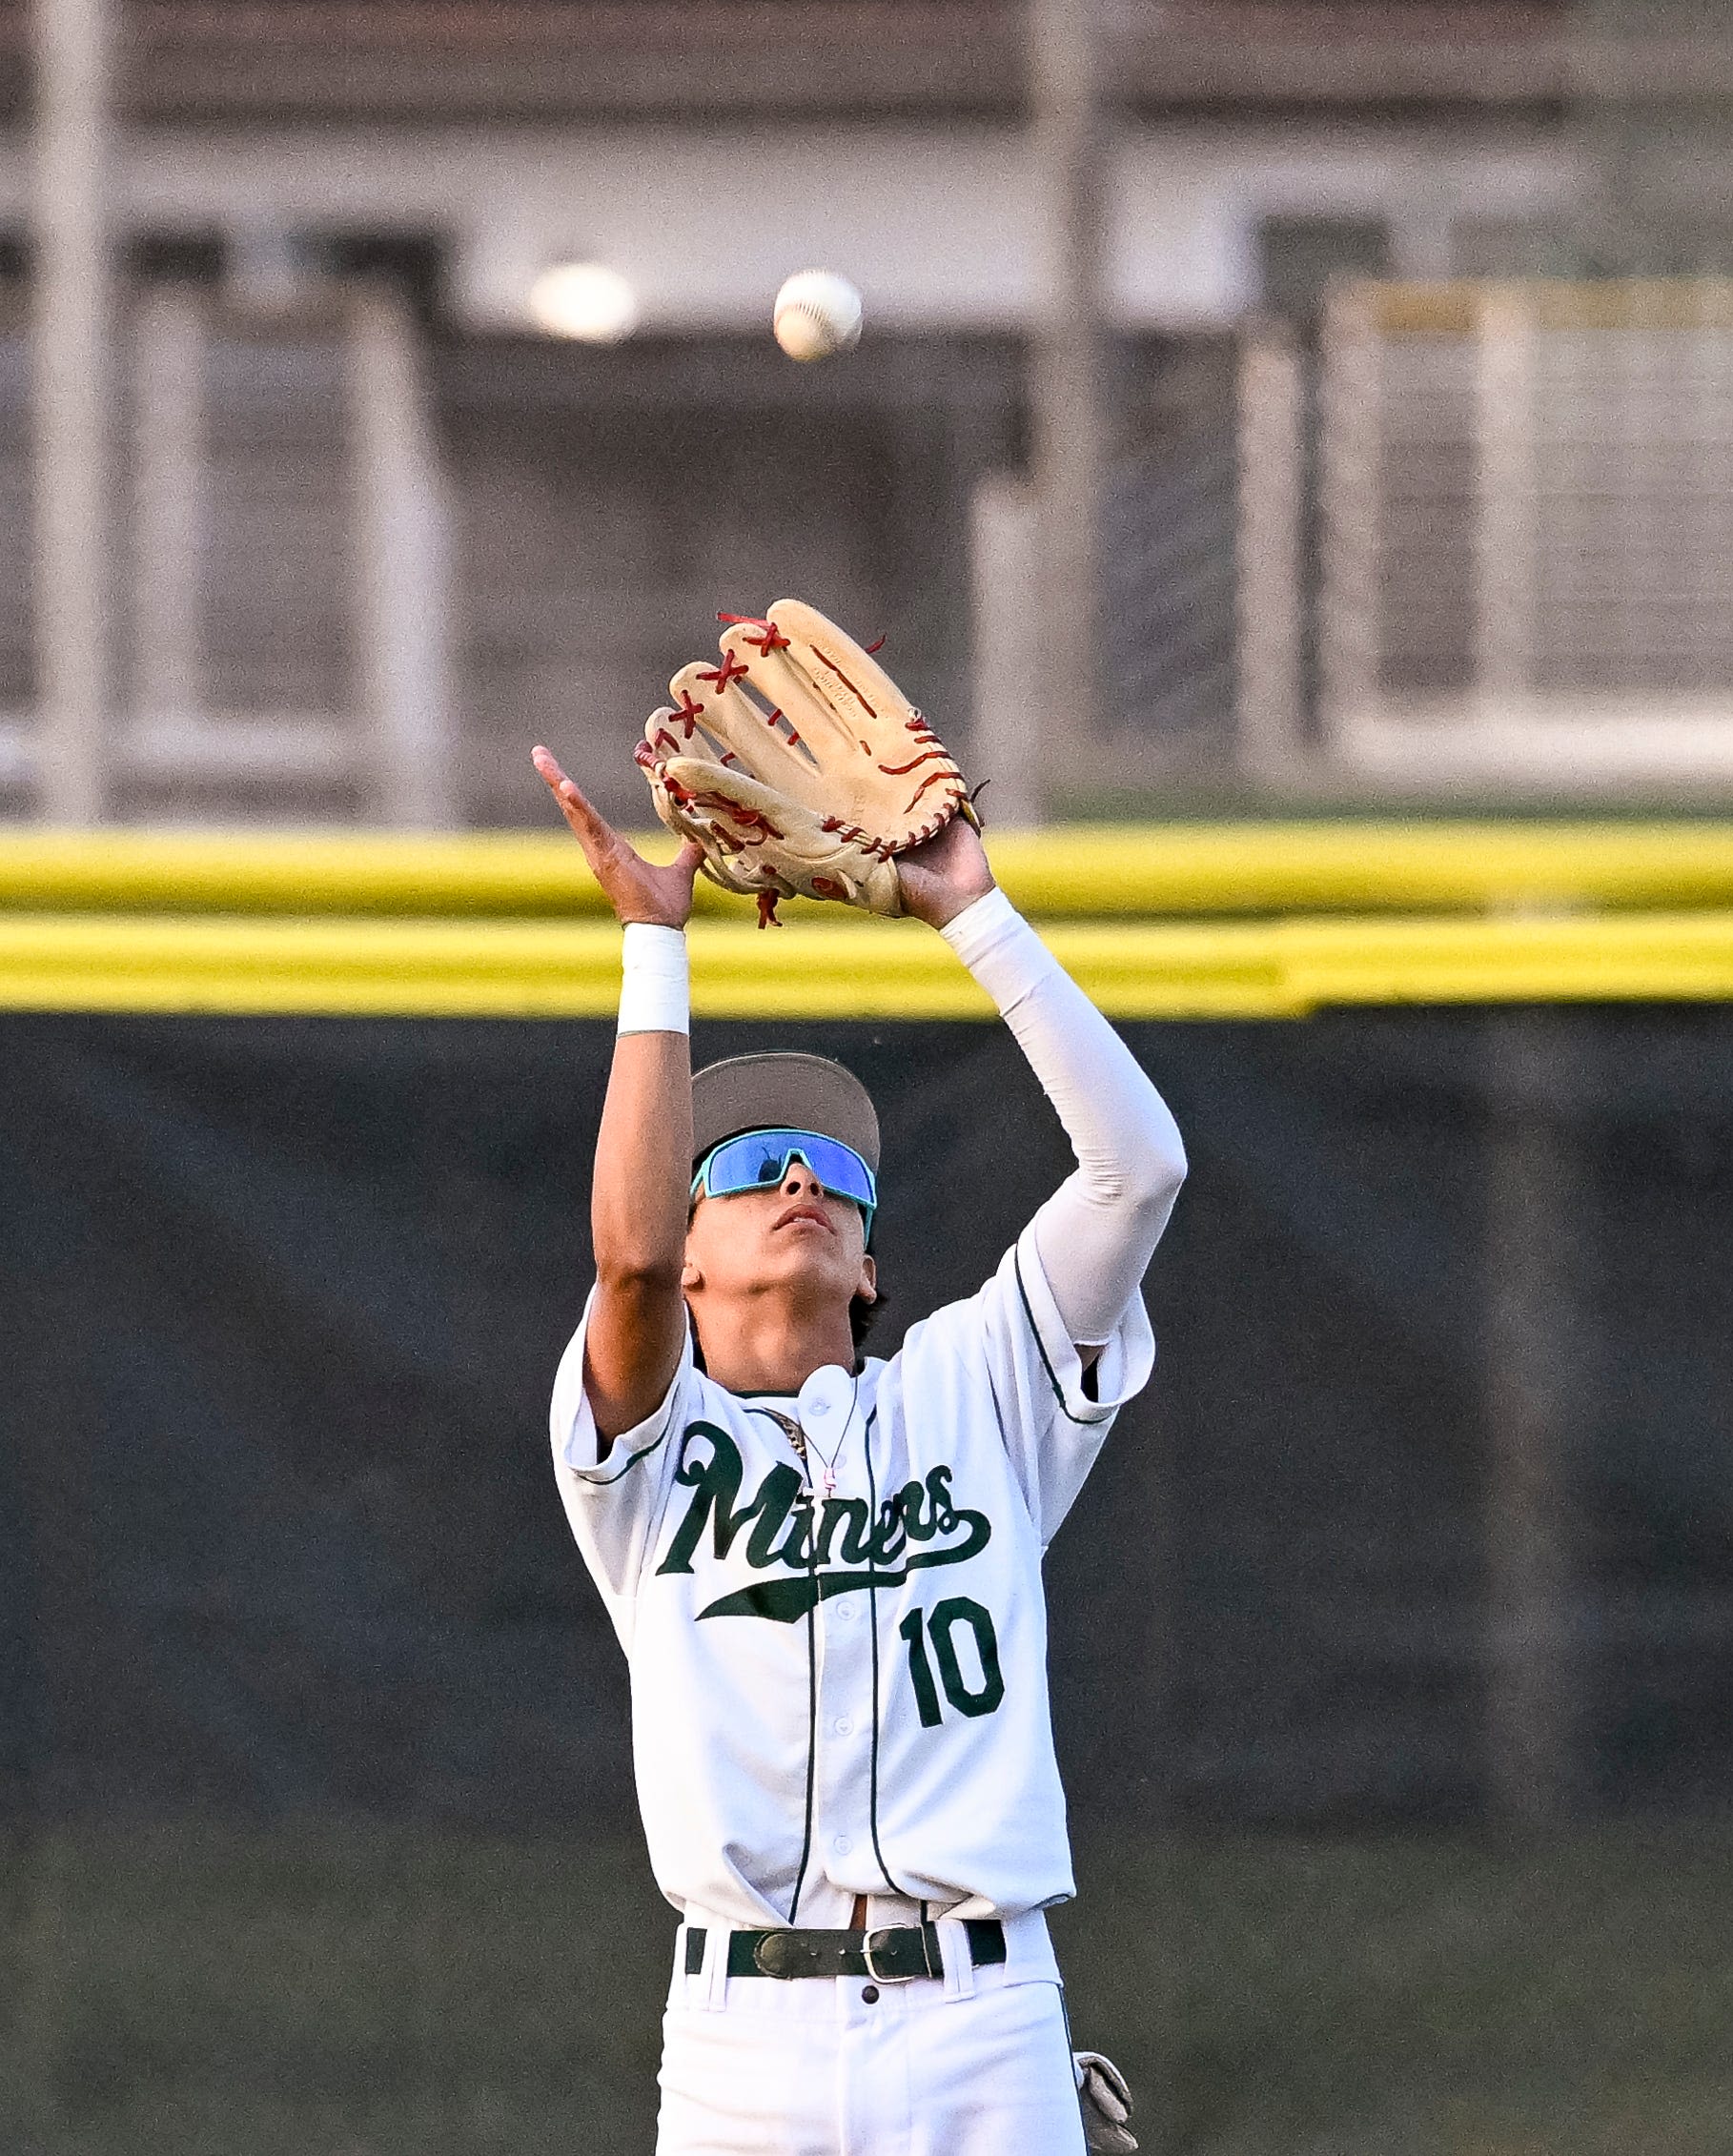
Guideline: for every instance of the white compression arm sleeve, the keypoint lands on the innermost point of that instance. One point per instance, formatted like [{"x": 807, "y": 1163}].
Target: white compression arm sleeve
[{"x": 1098, "y": 1232}]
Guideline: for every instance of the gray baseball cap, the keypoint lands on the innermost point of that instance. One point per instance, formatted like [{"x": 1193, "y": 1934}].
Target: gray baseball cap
[{"x": 783, "y": 1091}]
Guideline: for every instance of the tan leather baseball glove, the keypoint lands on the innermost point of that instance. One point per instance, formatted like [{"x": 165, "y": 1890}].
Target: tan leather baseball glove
[{"x": 798, "y": 765}]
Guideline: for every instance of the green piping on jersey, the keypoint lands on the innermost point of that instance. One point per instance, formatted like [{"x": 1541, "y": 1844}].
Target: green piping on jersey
[
  {"x": 872, "y": 1627},
  {"x": 799, "y": 1876},
  {"x": 600, "y": 1481},
  {"x": 1083, "y": 1421}
]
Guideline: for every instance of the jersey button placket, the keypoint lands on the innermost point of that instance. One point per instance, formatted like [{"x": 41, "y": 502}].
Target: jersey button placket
[{"x": 845, "y": 1670}]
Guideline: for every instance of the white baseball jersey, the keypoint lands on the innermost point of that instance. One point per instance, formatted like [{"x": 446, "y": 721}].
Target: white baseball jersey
[{"x": 843, "y": 1691}]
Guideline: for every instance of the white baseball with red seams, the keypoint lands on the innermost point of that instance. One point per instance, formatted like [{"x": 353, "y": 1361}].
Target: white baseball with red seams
[
  {"x": 838, "y": 1652},
  {"x": 817, "y": 313}
]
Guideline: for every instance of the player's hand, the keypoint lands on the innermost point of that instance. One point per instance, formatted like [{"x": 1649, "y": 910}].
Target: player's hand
[
  {"x": 635, "y": 888},
  {"x": 944, "y": 873}
]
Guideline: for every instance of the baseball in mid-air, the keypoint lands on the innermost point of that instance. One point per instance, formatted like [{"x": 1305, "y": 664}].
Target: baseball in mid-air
[{"x": 817, "y": 313}]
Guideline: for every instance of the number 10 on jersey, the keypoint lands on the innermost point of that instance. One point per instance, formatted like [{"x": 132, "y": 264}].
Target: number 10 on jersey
[{"x": 942, "y": 1626}]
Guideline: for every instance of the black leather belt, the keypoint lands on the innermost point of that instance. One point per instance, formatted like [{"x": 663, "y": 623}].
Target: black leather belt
[{"x": 890, "y": 1954}]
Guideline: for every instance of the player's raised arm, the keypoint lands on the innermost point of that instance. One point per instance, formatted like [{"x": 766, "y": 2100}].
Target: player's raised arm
[
  {"x": 1098, "y": 1232},
  {"x": 802, "y": 770},
  {"x": 644, "y": 1153}
]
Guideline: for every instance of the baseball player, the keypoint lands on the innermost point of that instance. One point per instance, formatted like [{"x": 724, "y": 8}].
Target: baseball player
[{"x": 824, "y": 1568}]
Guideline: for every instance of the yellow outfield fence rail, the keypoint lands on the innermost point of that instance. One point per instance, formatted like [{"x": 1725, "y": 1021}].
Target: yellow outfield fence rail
[
  {"x": 1088, "y": 871},
  {"x": 1282, "y": 968},
  {"x": 1158, "y": 921}
]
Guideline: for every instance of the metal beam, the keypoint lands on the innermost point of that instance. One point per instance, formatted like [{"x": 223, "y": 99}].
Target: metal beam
[
  {"x": 1004, "y": 747},
  {"x": 71, "y": 359},
  {"x": 170, "y": 481},
  {"x": 401, "y": 586},
  {"x": 1067, "y": 434}
]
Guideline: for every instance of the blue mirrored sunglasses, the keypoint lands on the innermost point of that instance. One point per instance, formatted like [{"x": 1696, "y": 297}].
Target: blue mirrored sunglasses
[{"x": 757, "y": 1160}]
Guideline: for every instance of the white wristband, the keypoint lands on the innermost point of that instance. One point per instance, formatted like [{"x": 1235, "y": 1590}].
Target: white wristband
[{"x": 654, "y": 994}]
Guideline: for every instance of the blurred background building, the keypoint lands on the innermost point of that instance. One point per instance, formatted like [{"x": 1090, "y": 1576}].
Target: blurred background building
[{"x": 340, "y": 510}]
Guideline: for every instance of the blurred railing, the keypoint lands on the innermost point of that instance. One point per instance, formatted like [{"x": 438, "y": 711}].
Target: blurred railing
[
  {"x": 1472, "y": 541},
  {"x": 1525, "y": 548},
  {"x": 1168, "y": 612},
  {"x": 278, "y": 600}
]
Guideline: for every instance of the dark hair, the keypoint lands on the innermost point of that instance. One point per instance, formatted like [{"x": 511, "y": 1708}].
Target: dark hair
[{"x": 864, "y": 1315}]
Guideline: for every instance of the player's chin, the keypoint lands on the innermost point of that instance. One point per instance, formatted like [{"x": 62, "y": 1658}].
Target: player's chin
[{"x": 810, "y": 1257}]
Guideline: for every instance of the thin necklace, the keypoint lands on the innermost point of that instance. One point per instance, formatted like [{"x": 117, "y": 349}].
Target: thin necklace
[{"x": 804, "y": 1448}]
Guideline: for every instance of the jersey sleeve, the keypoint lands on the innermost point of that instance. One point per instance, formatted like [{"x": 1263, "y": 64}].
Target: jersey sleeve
[
  {"x": 614, "y": 1501},
  {"x": 1014, "y": 1343}
]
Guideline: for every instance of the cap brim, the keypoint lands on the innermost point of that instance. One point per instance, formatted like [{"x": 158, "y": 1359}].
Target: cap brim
[{"x": 783, "y": 1091}]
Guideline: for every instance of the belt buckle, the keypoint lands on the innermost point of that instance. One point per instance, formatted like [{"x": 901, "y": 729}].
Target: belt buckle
[{"x": 877, "y": 1974}]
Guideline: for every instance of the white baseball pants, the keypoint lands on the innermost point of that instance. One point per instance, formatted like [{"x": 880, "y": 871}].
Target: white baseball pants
[{"x": 836, "y": 2067}]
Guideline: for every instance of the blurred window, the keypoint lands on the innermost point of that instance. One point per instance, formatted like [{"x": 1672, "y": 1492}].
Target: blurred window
[
  {"x": 1297, "y": 257},
  {"x": 1511, "y": 247}
]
